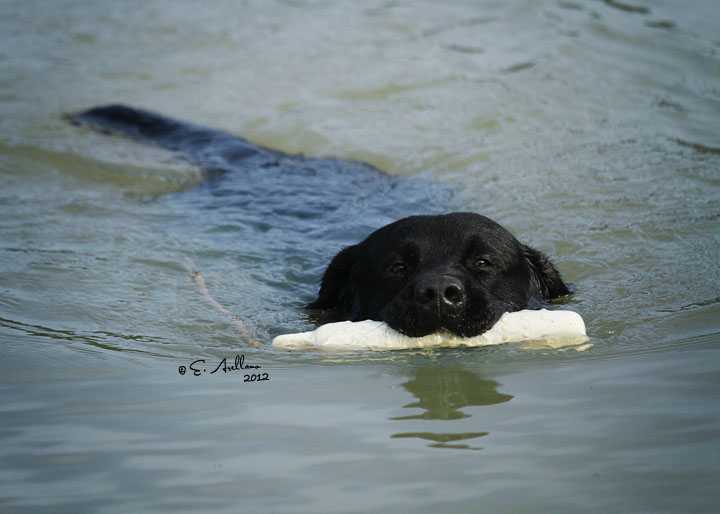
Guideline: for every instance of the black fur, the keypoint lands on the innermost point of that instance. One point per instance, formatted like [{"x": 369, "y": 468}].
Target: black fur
[{"x": 459, "y": 272}]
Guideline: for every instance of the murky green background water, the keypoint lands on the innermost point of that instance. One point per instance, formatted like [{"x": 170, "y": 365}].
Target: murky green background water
[{"x": 589, "y": 128}]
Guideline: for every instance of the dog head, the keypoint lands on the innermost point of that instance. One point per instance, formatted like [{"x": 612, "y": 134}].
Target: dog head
[{"x": 458, "y": 272}]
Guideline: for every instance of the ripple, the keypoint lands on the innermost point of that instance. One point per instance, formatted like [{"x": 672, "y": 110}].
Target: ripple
[
  {"x": 627, "y": 7},
  {"x": 699, "y": 147}
]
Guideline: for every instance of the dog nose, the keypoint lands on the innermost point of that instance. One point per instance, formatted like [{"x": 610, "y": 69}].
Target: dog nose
[{"x": 443, "y": 290}]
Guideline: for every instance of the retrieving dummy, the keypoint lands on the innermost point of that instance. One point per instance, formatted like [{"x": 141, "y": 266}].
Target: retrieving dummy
[{"x": 557, "y": 328}]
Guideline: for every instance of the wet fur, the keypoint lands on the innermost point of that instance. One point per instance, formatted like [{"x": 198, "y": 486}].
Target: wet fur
[{"x": 458, "y": 272}]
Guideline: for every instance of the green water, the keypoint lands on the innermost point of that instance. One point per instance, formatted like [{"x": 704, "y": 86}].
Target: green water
[{"x": 588, "y": 128}]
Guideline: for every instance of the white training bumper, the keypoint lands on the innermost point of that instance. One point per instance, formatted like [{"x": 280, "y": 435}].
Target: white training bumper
[{"x": 557, "y": 328}]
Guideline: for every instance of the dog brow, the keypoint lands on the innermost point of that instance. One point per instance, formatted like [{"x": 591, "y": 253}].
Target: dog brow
[{"x": 475, "y": 243}]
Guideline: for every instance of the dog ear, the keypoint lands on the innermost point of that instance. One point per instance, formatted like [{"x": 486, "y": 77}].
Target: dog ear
[
  {"x": 336, "y": 288},
  {"x": 546, "y": 278}
]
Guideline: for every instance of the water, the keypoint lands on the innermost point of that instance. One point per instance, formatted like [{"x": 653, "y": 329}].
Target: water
[{"x": 588, "y": 128}]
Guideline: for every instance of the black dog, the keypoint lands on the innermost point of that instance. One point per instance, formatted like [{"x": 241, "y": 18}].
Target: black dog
[{"x": 459, "y": 272}]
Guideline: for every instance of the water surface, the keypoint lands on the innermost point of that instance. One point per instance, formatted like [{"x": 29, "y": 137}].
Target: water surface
[{"x": 588, "y": 128}]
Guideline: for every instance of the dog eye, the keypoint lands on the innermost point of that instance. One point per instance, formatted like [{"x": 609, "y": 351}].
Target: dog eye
[
  {"x": 481, "y": 263},
  {"x": 397, "y": 268}
]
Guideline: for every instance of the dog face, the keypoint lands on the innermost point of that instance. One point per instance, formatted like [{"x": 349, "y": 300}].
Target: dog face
[{"x": 458, "y": 272}]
